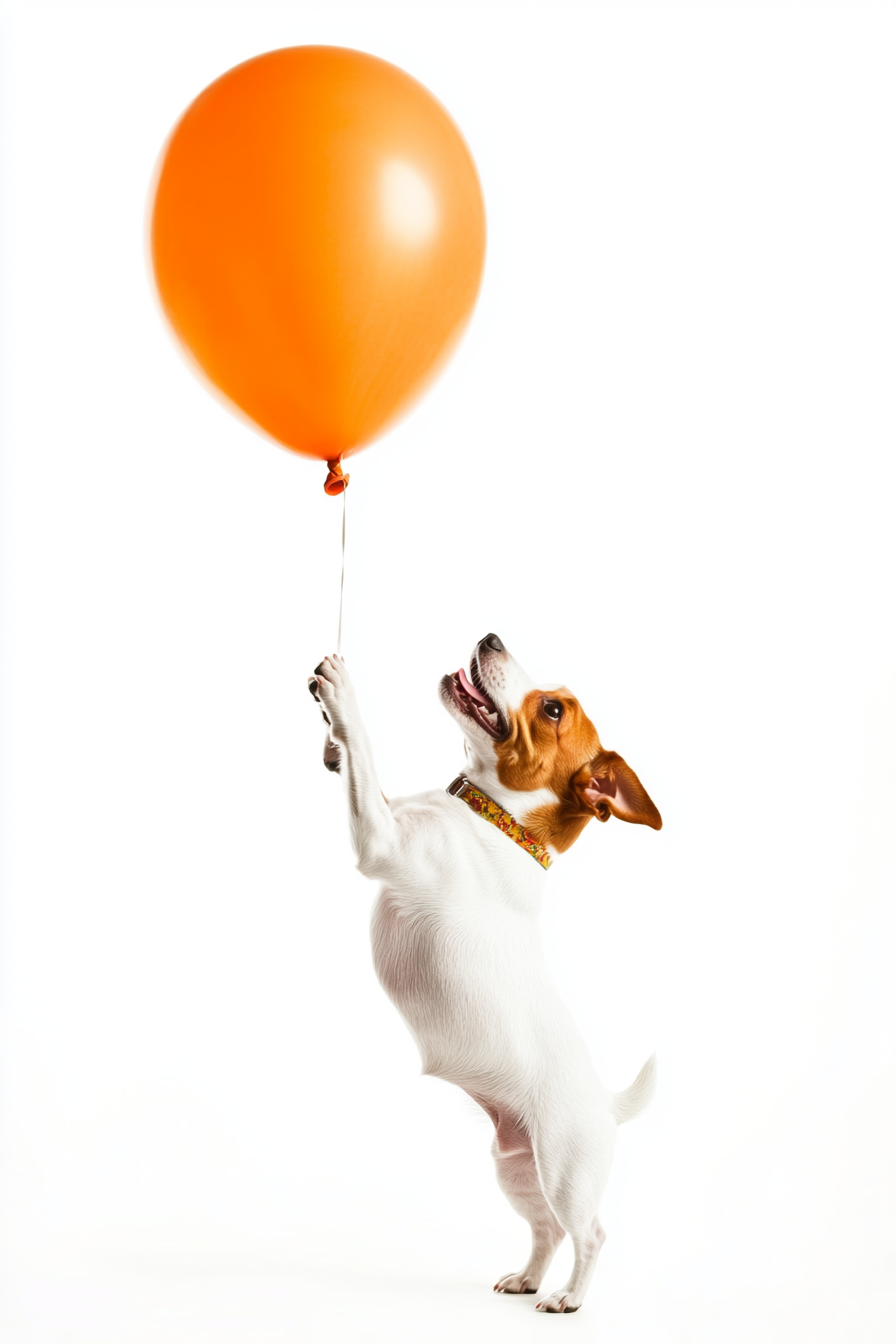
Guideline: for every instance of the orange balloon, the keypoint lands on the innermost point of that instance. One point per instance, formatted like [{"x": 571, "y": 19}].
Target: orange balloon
[{"x": 317, "y": 237}]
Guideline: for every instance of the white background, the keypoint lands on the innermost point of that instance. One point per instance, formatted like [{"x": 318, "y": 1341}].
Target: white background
[{"x": 661, "y": 468}]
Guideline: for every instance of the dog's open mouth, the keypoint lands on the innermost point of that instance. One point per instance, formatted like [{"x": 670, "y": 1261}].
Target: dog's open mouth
[{"x": 472, "y": 701}]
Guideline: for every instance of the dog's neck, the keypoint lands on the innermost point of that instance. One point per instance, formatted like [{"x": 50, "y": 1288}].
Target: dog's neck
[
  {"x": 548, "y": 819},
  {"x": 483, "y": 774},
  {"x": 496, "y": 815}
]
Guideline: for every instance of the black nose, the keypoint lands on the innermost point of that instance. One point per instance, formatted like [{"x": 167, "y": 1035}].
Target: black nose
[{"x": 493, "y": 642}]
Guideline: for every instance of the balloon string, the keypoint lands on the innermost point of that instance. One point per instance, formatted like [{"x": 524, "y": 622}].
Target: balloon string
[
  {"x": 337, "y": 484},
  {"x": 342, "y": 576}
]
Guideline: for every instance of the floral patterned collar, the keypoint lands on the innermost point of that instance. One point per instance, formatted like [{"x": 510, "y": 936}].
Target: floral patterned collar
[{"x": 486, "y": 807}]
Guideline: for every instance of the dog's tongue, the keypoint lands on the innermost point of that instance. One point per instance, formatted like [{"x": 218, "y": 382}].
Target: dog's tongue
[{"x": 471, "y": 690}]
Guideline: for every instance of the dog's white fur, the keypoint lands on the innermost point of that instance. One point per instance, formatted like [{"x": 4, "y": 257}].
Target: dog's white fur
[{"x": 456, "y": 947}]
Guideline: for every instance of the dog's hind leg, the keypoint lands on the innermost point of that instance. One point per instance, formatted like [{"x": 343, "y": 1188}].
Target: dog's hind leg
[
  {"x": 573, "y": 1166},
  {"x": 518, "y": 1178}
]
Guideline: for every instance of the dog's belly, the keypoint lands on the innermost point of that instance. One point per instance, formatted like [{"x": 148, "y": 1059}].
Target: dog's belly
[{"x": 475, "y": 993}]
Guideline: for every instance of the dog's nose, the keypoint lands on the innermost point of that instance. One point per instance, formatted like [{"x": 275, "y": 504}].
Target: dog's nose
[{"x": 493, "y": 642}]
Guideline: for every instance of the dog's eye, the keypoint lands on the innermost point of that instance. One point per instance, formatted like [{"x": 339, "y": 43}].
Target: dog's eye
[{"x": 553, "y": 709}]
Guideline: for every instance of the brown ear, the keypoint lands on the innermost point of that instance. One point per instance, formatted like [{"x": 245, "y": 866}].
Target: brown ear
[{"x": 608, "y": 785}]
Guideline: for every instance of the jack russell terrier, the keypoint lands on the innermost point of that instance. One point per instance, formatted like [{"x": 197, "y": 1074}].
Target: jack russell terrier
[{"x": 455, "y": 936}]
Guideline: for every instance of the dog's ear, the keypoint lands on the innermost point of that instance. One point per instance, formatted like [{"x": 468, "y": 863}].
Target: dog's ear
[{"x": 607, "y": 785}]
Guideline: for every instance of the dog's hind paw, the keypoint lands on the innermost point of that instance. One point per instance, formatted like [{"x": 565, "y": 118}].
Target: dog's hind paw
[
  {"x": 557, "y": 1302},
  {"x": 516, "y": 1283}
]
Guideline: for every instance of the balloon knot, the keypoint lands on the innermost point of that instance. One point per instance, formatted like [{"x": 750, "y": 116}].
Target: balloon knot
[{"x": 336, "y": 480}]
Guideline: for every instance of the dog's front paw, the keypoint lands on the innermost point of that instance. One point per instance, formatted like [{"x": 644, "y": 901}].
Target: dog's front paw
[
  {"x": 333, "y": 691},
  {"x": 332, "y": 755},
  {"x": 516, "y": 1283}
]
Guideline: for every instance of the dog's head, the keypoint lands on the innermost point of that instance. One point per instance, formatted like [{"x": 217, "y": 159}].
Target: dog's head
[{"x": 534, "y": 750}]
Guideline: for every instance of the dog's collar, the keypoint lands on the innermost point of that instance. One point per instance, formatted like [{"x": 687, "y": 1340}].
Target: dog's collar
[{"x": 487, "y": 807}]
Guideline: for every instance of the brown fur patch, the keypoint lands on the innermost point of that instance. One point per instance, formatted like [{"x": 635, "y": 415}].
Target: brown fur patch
[
  {"x": 566, "y": 757},
  {"x": 544, "y": 753}
]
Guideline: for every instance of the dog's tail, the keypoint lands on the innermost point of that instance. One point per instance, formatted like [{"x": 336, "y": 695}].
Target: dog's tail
[{"x": 626, "y": 1105}]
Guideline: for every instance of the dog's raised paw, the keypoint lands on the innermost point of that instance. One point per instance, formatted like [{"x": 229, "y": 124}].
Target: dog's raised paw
[
  {"x": 332, "y": 689},
  {"x": 314, "y": 687},
  {"x": 558, "y": 1302},
  {"x": 516, "y": 1283}
]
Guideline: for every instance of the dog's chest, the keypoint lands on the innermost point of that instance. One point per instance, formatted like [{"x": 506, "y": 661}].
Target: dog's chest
[{"x": 454, "y": 929}]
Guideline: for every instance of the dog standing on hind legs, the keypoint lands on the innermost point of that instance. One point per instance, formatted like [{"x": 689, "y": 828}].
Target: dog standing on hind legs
[{"x": 455, "y": 937}]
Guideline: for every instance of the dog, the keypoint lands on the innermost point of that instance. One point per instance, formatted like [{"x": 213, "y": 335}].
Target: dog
[{"x": 455, "y": 939}]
